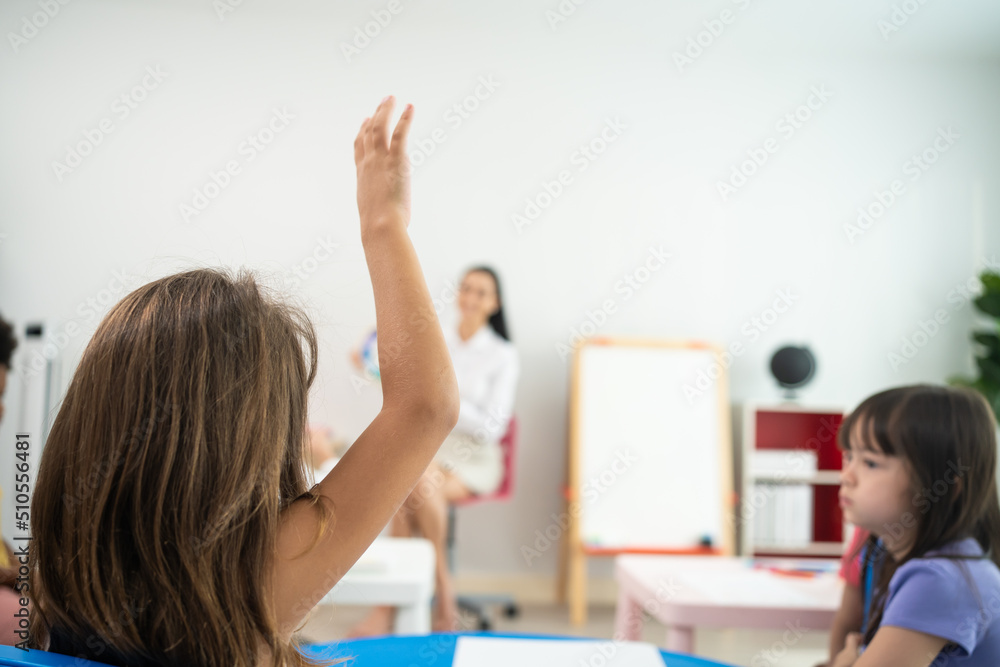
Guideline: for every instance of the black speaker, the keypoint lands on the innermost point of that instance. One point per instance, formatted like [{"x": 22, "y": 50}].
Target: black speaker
[{"x": 793, "y": 367}]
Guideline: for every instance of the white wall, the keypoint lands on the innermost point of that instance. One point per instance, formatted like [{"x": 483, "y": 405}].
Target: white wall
[{"x": 656, "y": 184}]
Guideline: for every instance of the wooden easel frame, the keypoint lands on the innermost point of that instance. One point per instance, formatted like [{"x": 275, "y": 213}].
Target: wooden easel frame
[{"x": 572, "y": 575}]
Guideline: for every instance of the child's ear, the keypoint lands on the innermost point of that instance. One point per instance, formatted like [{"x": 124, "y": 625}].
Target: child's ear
[{"x": 956, "y": 490}]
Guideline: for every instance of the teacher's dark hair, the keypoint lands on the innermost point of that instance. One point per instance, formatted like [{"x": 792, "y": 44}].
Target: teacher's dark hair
[{"x": 496, "y": 319}]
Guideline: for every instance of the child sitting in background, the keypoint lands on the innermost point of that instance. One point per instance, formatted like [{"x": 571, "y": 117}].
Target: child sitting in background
[{"x": 920, "y": 474}]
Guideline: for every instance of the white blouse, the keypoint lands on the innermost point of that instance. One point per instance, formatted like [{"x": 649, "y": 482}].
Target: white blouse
[{"x": 487, "y": 368}]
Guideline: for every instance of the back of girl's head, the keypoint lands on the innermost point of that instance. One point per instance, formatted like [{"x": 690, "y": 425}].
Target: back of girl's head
[
  {"x": 946, "y": 437},
  {"x": 179, "y": 441}
]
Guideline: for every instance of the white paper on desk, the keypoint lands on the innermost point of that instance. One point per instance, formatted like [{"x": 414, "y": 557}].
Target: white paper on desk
[{"x": 498, "y": 652}]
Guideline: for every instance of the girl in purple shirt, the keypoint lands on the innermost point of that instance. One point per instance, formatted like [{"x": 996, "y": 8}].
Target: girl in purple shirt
[{"x": 920, "y": 474}]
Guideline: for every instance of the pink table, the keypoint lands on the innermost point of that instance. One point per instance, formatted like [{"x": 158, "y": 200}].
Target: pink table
[{"x": 685, "y": 592}]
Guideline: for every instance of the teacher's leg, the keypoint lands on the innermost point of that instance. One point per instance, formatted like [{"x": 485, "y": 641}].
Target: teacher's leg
[
  {"x": 428, "y": 506},
  {"x": 426, "y": 510}
]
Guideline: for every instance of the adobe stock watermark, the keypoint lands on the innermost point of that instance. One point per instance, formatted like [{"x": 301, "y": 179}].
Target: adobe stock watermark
[
  {"x": 429, "y": 482},
  {"x": 307, "y": 603},
  {"x": 454, "y": 117},
  {"x": 363, "y": 35},
  {"x": 629, "y": 284},
  {"x": 751, "y": 330},
  {"x": 787, "y": 126},
  {"x": 704, "y": 39},
  {"x": 446, "y": 296},
  {"x": 223, "y": 7},
  {"x": 248, "y": 150},
  {"x": 634, "y": 620},
  {"x": 771, "y": 655},
  {"x": 90, "y": 309},
  {"x": 591, "y": 489},
  {"x": 86, "y": 485},
  {"x": 753, "y": 501},
  {"x": 495, "y": 423},
  {"x": 302, "y": 270},
  {"x": 923, "y": 501},
  {"x": 492, "y": 428},
  {"x": 581, "y": 158},
  {"x": 971, "y": 625},
  {"x": 31, "y": 25},
  {"x": 562, "y": 12},
  {"x": 898, "y": 17},
  {"x": 914, "y": 167},
  {"x": 926, "y": 329},
  {"x": 121, "y": 108},
  {"x": 96, "y": 643}
]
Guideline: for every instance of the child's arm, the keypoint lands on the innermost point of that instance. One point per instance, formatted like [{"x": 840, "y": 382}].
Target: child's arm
[
  {"x": 848, "y": 619},
  {"x": 892, "y": 647},
  {"x": 420, "y": 393}
]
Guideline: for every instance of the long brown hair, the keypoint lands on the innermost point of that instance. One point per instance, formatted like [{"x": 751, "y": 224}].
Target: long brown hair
[
  {"x": 934, "y": 429},
  {"x": 179, "y": 442}
]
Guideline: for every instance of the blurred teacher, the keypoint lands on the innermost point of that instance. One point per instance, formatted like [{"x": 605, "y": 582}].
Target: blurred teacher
[{"x": 470, "y": 461}]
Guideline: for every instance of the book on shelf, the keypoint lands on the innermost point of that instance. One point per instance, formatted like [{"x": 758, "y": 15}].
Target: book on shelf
[
  {"x": 784, "y": 516},
  {"x": 790, "y": 463}
]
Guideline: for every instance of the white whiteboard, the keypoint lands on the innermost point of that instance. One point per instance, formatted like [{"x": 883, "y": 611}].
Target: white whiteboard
[{"x": 654, "y": 466}]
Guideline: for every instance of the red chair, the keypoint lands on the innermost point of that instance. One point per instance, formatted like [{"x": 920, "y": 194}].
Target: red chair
[{"x": 477, "y": 604}]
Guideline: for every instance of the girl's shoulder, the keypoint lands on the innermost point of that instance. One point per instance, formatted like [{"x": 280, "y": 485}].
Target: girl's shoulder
[
  {"x": 960, "y": 562},
  {"x": 945, "y": 596}
]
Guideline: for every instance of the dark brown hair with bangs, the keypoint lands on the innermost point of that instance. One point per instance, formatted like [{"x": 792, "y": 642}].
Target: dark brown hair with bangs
[
  {"x": 178, "y": 444},
  {"x": 934, "y": 429}
]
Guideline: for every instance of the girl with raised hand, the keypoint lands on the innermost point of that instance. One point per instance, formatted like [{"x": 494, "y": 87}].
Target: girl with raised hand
[{"x": 173, "y": 523}]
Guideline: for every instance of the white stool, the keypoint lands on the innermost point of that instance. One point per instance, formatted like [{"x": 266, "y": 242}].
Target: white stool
[{"x": 395, "y": 571}]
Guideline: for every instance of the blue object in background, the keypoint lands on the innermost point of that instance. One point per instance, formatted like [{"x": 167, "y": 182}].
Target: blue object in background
[{"x": 369, "y": 356}]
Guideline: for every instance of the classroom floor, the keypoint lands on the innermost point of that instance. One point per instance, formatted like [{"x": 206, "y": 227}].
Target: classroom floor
[{"x": 745, "y": 648}]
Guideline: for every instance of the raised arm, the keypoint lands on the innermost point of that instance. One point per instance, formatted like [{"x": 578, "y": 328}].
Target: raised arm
[{"x": 420, "y": 394}]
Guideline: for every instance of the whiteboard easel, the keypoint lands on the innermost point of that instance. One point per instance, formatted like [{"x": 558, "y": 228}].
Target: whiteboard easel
[{"x": 649, "y": 463}]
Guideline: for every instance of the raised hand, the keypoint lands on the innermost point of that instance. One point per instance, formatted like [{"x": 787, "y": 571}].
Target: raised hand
[{"x": 383, "y": 167}]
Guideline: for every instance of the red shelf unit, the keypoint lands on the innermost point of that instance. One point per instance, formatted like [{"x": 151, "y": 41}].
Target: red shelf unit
[{"x": 794, "y": 427}]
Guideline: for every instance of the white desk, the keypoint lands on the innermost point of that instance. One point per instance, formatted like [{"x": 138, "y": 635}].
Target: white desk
[
  {"x": 684, "y": 592},
  {"x": 397, "y": 572}
]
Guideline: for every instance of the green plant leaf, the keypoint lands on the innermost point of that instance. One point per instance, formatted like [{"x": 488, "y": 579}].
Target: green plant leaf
[
  {"x": 990, "y": 370},
  {"x": 988, "y": 355},
  {"x": 991, "y": 342},
  {"x": 990, "y": 280},
  {"x": 989, "y": 303},
  {"x": 960, "y": 381}
]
